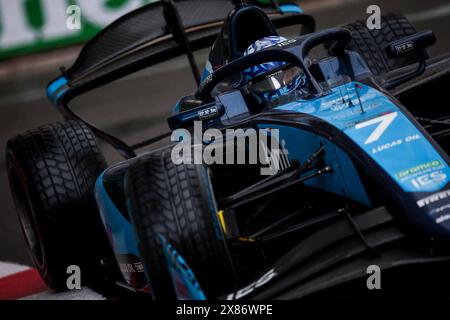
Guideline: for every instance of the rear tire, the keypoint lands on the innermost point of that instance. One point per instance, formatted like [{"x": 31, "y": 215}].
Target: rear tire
[
  {"x": 52, "y": 172},
  {"x": 176, "y": 203},
  {"x": 371, "y": 44}
]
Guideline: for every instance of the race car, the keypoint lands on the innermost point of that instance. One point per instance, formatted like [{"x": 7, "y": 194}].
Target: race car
[{"x": 299, "y": 164}]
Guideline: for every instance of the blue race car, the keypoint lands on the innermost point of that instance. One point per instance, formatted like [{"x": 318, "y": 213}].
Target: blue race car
[{"x": 298, "y": 164}]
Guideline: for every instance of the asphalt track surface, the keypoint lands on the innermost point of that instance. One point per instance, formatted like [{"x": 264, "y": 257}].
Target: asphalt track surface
[{"x": 136, "y": 108}]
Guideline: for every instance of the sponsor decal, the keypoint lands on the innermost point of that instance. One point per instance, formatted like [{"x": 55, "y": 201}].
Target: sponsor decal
[
  {"x": 132, "y": 270},
  {"x": 250, "y": 288},
  {"x": 286, "y": 43},
  {"x": 440, "y": 209},
  {"x": 433, "y": 198},
  {"x": 207, "y": 80},
  {"x": 131, "y": 267},
  {"x": 387, "y": 146},
  {"x": 443, "y": 218},
  {"x": 395, "y": 143},
  {"x": 339, "y": 107},
  {"x": 404, "y": 47},
  {"x": 424, "y": 175},
  {"x": 441, "y": 214},
  {"x": 418, "y": 169},
  {"x": 428, "y": 179},
  {"x": 208, "y": 113}
]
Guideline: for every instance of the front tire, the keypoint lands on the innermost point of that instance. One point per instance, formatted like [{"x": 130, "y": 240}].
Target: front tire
[
  {"x": 52, "y": 172},
  {"x": 174, "y": 205},
  {"x": 371, "y": 44}
]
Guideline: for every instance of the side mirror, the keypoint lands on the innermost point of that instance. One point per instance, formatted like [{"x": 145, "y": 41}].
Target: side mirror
[
  {"x": 415, "y": 43},
  {"x": 203, "y": 113}
]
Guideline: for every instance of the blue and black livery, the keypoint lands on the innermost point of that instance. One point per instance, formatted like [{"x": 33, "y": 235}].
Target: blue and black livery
[
  {"x": 363, "y": 181},
  {"x": 360, "y": 128}
]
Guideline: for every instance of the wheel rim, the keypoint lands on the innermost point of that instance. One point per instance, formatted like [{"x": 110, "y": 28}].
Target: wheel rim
[{"x": 26, "y": 217}]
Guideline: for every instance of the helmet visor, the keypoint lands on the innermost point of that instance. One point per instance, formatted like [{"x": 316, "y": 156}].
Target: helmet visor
[{"x": 275, "y": 81}]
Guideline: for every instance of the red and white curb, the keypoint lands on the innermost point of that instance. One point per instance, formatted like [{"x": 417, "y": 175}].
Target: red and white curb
[{"x": 19, "y": 282}]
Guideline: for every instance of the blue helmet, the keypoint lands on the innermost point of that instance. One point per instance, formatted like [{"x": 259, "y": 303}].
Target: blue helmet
[{"x": 269, "y": 81}]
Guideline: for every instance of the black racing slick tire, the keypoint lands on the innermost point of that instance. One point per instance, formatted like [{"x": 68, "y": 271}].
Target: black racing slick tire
[
  {"x": 371, "y": 44},
  {"x": 174, "y": 205},
  {"x": 52, "y": 172}
]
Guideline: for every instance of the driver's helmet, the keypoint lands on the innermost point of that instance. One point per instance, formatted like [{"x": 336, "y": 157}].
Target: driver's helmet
[{"x": 269, "y": 81}]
